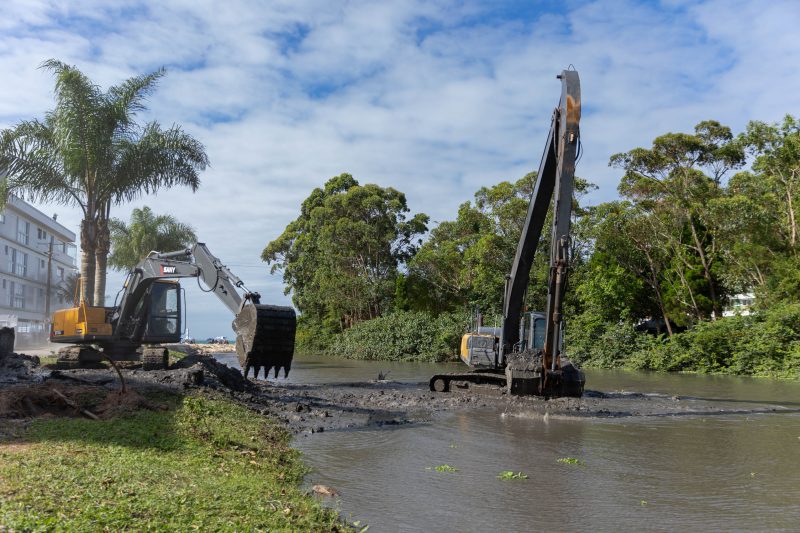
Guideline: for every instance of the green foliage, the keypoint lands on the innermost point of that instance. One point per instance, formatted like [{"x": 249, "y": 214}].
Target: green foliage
[
  {"x": 340, "y": 257},
  {"x": 130, "y": 243},
  {"x": 403, "y": 336},
  {"x": 766, "y": 344},
  {"x": 464, "y": 263},
  {"x": 570, "y": 461},
  {"x": 508, "y": 475},
  {"x": 204, "y": 463},
  {"x": 593, "y": 343},
  {"x": 445, "y": 468},
  {"x": 89, "y": 152},
  {"x": 312, "y": 337}
]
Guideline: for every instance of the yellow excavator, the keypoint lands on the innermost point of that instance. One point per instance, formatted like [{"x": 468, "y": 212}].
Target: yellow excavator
[{"x": 149, "y": 310}]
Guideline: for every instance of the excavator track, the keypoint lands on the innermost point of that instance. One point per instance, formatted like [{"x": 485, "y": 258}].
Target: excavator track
[
  {"x": 481, "y": 382},
  {"x": 522, "y": 377},
  {"x": 265, "y": 338},
  {"x": 154, "y": 358},
  {"x": 78, "y": 356}
]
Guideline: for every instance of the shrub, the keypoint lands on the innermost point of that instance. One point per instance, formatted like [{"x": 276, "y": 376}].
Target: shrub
[
  {"x": 598, "y": 344},
  {"x": 402, "y": 336}
]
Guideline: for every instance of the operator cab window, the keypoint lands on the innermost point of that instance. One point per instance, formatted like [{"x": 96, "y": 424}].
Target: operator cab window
[{"x": 164, "y": 310}]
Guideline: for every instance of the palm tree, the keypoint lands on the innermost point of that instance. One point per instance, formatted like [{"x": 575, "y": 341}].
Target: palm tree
[
  {"x": 90, "y": 152},
  {"x": 66, "y": 289},
  {"x": 146, "y": 232}
]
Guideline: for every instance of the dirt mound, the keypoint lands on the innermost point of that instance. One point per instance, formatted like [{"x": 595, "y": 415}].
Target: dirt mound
[
  {"x": 16, "y": 367},
  {"x": 214, "y": 374},
  {"x": 89, "y": 401}
]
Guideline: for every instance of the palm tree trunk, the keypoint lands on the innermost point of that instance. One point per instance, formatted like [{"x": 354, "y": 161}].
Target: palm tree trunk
[
  {"x": 88, "y": 235},
  {"x": 103, "y": 245},
  {"x": 101, "y": 261}
]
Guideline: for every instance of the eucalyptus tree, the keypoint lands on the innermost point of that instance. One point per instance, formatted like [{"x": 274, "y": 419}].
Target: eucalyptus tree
[
  {"x": 340, "y": 256},
  {"x": 776, "y": 148},
  {"x": 90, "y": 152},
  {"x": 678, "y": 179},
  {"x": 147, "y": 231}
]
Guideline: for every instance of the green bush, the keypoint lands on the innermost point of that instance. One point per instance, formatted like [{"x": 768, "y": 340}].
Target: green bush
[
  {"x": 598, "y": 344},
  {"x": 402, "y": 336},
  {"x": 765, "y": 344}
]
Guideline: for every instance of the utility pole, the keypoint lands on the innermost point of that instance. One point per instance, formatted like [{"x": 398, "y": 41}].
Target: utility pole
[{"x": 49, "y": 282}]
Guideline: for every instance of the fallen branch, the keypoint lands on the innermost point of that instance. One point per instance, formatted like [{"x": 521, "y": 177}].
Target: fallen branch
[{"x": 75, "y": 405}]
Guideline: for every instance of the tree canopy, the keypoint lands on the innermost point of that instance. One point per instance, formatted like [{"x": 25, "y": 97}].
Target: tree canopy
[
  {"x": 146, "y": 232},
  {"x": 90, "y": 152},
  {"x": 340, "y": 257}
]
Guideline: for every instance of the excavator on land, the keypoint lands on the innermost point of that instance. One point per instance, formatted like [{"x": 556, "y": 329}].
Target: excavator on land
[
  {"x": 149, "y": 311},
  {"x": 526, "y": 356}
]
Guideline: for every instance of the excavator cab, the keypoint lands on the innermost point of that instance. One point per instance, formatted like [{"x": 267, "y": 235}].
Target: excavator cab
[{"x": 163, "y": 320}]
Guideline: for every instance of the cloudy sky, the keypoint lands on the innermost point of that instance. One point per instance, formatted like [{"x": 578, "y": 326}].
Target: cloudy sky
[{"x": 433, "y": 98}]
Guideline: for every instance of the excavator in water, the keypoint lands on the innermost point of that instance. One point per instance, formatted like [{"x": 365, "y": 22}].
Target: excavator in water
[
  {"x": 526, "y": 356},
  {"x": 149, "y": 310}
]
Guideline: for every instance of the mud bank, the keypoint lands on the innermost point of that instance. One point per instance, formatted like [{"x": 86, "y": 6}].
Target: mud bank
[{"x": 314, "y": 408}]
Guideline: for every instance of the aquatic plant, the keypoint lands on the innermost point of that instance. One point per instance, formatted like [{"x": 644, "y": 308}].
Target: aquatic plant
[{"x": 507, "y": 475}]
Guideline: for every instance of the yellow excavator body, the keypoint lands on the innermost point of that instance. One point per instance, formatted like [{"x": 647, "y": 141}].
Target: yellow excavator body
[{"x": 80, "y": 324}]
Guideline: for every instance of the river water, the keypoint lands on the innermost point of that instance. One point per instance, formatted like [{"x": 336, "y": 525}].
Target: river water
[{"x": 701, "y": 472}]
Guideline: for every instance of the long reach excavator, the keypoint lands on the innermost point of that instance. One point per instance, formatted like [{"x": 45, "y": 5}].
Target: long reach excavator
[
  {"x": 526, "y": 356},
  {"x": 149, "y": 311}
]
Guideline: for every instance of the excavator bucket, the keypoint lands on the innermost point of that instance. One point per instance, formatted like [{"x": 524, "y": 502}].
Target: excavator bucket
[{"x": 265, "y": 338}]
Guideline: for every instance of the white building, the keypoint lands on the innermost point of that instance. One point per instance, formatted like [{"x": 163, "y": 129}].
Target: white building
[
  {"x": 740, "y": 304},
  {"x": 26, "y": 237}
]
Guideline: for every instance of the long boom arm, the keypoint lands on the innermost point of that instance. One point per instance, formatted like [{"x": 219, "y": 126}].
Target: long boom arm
[{"x": 556, "y": 176}]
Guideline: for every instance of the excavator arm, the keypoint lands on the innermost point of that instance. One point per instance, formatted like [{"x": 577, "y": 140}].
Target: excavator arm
[
  {"x": 556, "y": 176},
  {"x": 264, "y": 333}
]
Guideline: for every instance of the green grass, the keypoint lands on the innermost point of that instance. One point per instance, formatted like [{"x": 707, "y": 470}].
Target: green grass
[{"x": 205, "y": 463}]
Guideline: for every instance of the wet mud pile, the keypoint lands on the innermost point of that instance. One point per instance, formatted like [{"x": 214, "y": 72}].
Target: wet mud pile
[{"x": 29, "y": 390}]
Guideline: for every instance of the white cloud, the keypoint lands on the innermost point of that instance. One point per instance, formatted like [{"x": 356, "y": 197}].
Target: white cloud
[{"x": 433, "y": 98}]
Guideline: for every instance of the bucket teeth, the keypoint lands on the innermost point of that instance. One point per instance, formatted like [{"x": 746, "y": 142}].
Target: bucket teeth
[{"x": 265, "y": 338}]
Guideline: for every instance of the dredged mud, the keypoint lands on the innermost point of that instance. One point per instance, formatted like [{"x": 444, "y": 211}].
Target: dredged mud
[{"x": 313, "y": 408}]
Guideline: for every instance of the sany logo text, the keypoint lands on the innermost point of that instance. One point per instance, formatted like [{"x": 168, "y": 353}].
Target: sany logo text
[{"x": 167, "y": 269}]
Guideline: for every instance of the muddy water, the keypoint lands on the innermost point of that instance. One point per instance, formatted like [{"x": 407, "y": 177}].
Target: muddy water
[{"x": 701, "y": 472}]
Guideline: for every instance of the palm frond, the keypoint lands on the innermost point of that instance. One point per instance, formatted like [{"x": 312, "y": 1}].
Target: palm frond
[
  {"x": 159, "y": 159},
  {"x": 128, "y": 97},
  {"x": 34, "y": 167}
]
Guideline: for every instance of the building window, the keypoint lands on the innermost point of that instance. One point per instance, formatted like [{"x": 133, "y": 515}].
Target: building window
[
  {"x": 60, "y": 272},
  {"x": 41, "y": 234},
  {"x": 41, "y": 263},
  {"x": 4, "y": 283},
  {"x": 18, "y": 263},
  {"x": 23, "y": 230},
  {"x": 17, "y": 295}
]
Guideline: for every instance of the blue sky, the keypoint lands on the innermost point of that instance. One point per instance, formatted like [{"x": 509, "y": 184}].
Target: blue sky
[{"x": 434, "y": 98}]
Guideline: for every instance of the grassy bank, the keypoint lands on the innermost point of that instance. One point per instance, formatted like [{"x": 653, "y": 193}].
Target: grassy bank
[
  {"x": 763, "y": 344},
  {"x": 202, "y": 463}
]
